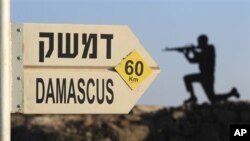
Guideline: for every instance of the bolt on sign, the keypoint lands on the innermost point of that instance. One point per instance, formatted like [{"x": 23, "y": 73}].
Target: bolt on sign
[{"x": 70, "y": 69}]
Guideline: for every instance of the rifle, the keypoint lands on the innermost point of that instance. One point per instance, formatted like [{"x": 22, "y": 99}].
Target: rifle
[{"x": 181, "y": 49}]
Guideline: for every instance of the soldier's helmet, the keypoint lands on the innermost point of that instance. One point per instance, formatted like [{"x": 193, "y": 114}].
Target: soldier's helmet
[{"x": 203, "y": 39}]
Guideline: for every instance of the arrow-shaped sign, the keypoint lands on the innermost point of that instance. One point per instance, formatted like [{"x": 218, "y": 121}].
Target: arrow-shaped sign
[{"x": 78, "y": 69}]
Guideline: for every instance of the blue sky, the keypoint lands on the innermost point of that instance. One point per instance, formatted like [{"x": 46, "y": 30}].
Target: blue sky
[{"x": 159, "y": 23}]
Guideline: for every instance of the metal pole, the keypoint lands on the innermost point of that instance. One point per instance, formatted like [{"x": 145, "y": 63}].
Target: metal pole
[{"x": 5, "y": 67}]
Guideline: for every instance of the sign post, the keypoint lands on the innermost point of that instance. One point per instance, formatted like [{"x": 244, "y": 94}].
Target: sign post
[
  {"x": 73, "y": 69},
  {"x": 5, "y": 75}
]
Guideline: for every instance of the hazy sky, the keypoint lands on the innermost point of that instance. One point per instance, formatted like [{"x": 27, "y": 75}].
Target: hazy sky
[{"x": 160, "y": 23}]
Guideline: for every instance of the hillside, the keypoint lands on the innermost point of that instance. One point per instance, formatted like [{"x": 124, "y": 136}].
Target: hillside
[{"x": 144, "y": 123}]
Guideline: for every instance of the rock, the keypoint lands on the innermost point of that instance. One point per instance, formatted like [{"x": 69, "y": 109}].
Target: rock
[{"x": 204, "y": 122}]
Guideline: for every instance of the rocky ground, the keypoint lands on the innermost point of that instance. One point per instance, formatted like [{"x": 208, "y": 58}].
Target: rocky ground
[{"x": 144, "y": 123}]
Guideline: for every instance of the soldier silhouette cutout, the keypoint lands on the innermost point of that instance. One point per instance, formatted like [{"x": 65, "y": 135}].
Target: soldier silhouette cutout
[{"x": 204, "y": 56}]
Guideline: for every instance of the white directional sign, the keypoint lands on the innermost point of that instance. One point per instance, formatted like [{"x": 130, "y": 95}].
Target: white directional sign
[{"x": 68, "y": 69}]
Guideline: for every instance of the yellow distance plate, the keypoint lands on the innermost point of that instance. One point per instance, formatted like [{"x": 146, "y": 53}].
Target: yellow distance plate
[{"x": 133, "y": 70}]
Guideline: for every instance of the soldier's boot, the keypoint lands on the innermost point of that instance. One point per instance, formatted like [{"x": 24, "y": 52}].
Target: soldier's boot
[
  {"x": 235, "y": 93},
  {"x": 192, "y": 100}
]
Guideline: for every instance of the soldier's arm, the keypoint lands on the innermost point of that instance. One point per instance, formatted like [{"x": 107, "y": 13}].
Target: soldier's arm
[{"x": 193, "y": 59}]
